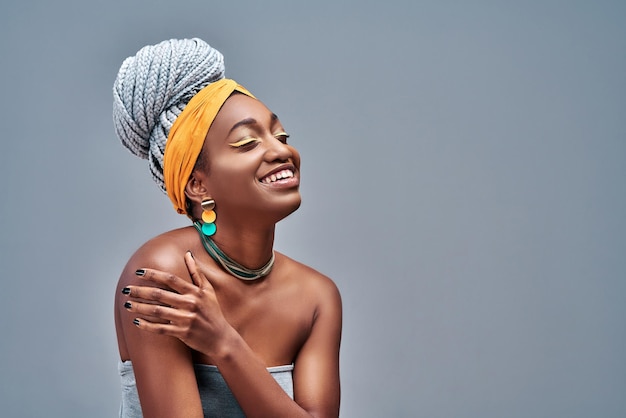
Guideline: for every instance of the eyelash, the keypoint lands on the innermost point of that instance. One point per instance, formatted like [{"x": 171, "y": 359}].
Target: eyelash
[
  {"x": 283, "y": 135},
  {"x": 246, "y": 142},
  {"x": 253, "y": 142}
]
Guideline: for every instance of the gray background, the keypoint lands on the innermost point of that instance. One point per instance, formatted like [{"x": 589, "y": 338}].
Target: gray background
[{"x": 463, "y": 183}]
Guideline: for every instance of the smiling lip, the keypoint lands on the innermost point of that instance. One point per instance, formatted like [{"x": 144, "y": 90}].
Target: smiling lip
[{"x": 281, "y": 177}]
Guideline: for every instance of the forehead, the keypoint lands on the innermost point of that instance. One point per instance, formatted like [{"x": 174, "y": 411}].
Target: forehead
[{"x": 239, "y": 107}]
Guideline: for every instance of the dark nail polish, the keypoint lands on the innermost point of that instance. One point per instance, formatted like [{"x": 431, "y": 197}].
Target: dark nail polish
[
  {"x": 126, "y": 290},
  {"x": 127, "y": 305},
  {"x": 136, "y": 321},
  {"x": 140, "y": 272}
]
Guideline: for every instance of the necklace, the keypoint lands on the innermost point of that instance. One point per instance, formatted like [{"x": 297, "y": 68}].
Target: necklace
[{"x": 230, "y": 265}]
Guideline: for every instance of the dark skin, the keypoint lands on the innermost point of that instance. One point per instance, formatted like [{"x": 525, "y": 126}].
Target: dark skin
[{"x": 191, "y": 311}]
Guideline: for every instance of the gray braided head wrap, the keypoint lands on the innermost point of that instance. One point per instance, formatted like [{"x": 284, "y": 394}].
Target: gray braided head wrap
[{"x": 152, "y": 89}]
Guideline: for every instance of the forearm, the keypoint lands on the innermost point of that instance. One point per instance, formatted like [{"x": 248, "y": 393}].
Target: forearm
[{"x": 258, "y": 394}]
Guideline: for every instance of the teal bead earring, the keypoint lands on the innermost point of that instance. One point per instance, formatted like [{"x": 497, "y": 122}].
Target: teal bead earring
[{"x": 208, "y": 217}]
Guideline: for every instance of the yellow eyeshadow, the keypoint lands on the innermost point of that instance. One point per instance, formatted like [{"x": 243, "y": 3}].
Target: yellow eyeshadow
[{"x": 243, "y": 142}]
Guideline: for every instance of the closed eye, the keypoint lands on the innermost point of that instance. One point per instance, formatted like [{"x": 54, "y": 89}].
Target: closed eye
[
  {"x": 282, "y": 137},
  {"x": 245, "y": 143}
]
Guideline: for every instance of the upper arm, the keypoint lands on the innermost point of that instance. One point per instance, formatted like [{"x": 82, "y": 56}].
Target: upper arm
[
  {"x": 316, "y": 370},
  {"x": 163, "y": 365}
]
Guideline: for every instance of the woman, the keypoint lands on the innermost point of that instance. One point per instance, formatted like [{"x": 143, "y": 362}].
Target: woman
[{"x": 210, "y": 320}]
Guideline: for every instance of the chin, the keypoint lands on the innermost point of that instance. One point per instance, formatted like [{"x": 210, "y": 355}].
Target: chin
[
  {"x": 290, "y": 208},
  {"x": 294, "y": 206}
]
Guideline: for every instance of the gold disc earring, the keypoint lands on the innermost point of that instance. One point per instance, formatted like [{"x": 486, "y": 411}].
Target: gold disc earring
[{"x": 208, "y": 217}]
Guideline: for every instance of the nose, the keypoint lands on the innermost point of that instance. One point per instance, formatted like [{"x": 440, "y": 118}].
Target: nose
[{"x": 277, "y": 150}]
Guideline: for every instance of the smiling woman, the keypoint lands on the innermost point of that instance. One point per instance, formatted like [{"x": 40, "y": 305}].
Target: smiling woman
[{"x": 210, "y": 320}]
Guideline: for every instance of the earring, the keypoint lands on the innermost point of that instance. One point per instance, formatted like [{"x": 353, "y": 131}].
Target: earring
[{"x": 208, "y": 217}]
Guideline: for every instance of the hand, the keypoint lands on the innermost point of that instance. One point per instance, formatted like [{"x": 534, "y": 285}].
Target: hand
[{"x": 189, "y": 311}]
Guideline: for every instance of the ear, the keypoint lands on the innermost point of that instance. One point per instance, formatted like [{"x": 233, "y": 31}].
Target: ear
[{"x": 196, "y": 189}]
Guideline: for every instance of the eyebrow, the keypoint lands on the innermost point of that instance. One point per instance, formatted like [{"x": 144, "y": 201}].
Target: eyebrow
[{"x": 250, "y": 121}]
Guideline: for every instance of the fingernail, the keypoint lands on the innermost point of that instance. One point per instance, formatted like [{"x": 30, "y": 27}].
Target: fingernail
[
  {"x": 140, "y": 272},
  {"x": 127, "y": 305},
  {"x": 136, "y": 321},
  {"x": 126, "y": 290},
  {"x": 191, "y": 254}
]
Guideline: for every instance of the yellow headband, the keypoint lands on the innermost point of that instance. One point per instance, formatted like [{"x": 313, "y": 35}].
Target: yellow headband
[{"x": 187, "y": 135}]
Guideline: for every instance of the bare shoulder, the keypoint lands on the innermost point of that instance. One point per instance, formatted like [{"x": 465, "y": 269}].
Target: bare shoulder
[
  {"x": 163, "y": 252},
  {"x": 310, "y": 281}
]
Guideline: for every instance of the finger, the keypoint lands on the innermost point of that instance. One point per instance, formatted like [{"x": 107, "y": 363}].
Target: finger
[
  {"x": 155, "y": 294},
  {"x": 156, "y": 313},
  {"x": 196, "y": 277},
  {"x": 166, "y": 279},
  {"x": 157, "y": 328}
]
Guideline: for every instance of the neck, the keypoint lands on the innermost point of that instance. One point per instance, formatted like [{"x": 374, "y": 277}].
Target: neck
[{"x": 251, "y": 248}]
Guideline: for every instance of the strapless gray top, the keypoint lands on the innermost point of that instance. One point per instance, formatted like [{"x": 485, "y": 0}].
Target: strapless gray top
[{"x": 217, "y": 399}]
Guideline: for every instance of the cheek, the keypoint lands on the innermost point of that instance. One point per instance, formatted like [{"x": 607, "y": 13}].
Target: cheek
[
  {"x": 230, "y": 173},
  {"x": 224, "y": 172},
  {"x": 296, "y": 157}
]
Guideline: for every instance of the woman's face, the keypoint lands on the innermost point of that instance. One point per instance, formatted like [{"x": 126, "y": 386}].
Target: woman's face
[{"x": 251, "y": 168}]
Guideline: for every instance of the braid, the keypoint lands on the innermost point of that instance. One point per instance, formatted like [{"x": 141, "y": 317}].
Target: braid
[{"x": 153, "y": 87}]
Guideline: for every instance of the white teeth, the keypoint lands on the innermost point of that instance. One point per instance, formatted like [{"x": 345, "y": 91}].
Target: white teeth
[{"x": 278, "y": 176}]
